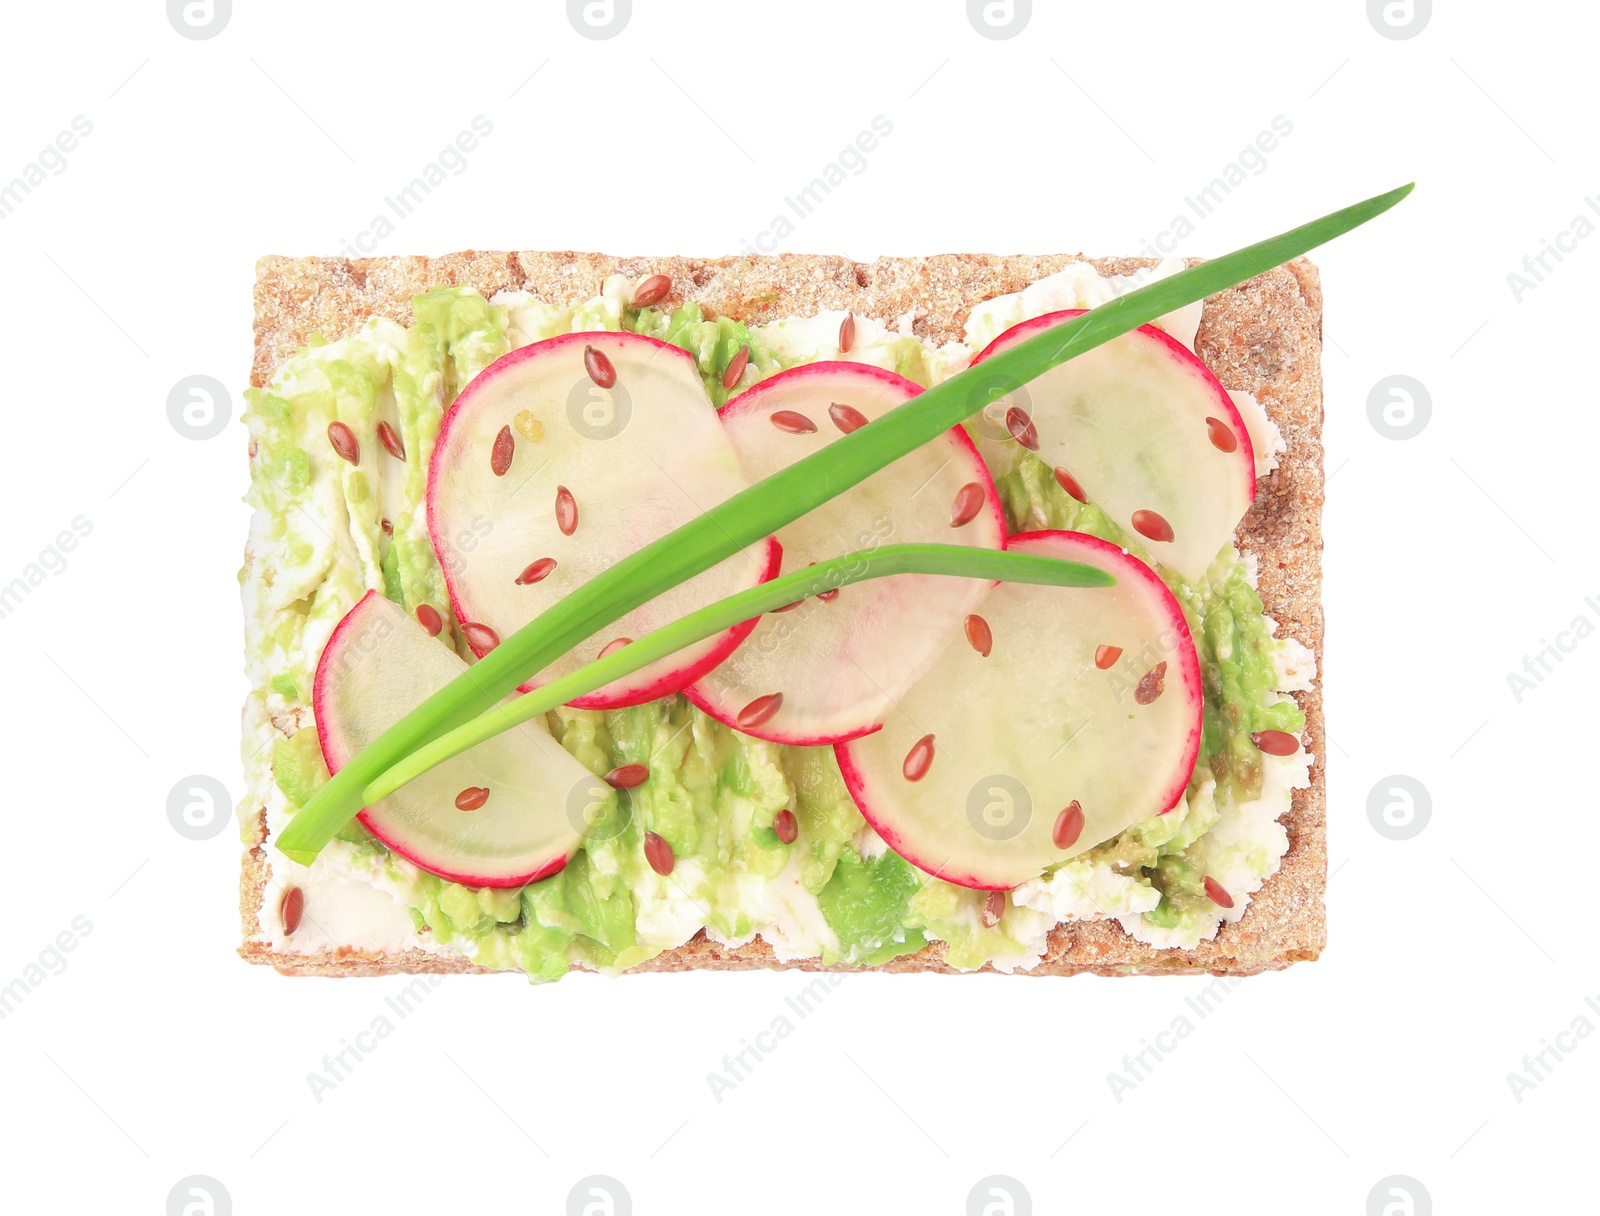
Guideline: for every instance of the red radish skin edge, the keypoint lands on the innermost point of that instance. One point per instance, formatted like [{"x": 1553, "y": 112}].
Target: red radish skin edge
[
  {"x": 751, "y": 399},
  {"x": 1227, "y": 411},
  {"x": 1188, "y": 662},
  {"x": 1187, "y": 659},
  {"x": 333, "y": 757},
  {"x": 856, "y": 784},
  {"x": 694, "y": 697},
  {"x": 667, "y": 685}
]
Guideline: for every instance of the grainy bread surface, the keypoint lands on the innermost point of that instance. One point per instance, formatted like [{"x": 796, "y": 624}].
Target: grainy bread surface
[{"x": 1264, "y": 336}]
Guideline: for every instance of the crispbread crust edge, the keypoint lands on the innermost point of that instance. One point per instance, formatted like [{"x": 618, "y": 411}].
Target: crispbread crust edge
[{"x": 1264, "y": 336}]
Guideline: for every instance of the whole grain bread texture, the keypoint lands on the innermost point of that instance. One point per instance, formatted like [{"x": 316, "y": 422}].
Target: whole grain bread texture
[{"x": 1264, "y": 337}]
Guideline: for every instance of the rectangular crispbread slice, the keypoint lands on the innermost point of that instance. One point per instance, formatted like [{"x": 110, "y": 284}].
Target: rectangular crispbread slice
[{"x": 1264, "y": 337}]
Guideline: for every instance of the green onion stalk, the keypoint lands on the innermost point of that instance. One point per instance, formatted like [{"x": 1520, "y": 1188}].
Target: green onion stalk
[
  {"x": 770, "y": 504},
  {"x": 961, "y": 561}
]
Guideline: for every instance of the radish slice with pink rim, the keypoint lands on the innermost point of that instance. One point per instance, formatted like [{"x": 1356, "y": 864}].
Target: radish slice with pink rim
[
  {"x": 617, "y": 467},
  {"x": 830, "y": 668},
  {"x": 378, "y": 665},
  {"x": 1021, "y": 736},
  {"x": 1144, "y": 428}
]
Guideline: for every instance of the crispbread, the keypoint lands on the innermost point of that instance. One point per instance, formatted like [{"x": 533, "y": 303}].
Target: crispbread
[{"x": 1264, "y": 336}]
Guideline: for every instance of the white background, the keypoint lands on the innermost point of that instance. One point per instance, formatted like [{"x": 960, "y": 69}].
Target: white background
[{"x": 156, "y": 1053}]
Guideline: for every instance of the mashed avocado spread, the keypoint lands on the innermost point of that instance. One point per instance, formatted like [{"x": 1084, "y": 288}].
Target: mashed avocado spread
[{"x": 325, "y": 532}]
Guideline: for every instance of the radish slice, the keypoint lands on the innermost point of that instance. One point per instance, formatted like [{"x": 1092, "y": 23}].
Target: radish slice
[
  {"x": 379, "y": 665},
  {"x": 537, "y": 463},
  {"x": 1147, "y": 432},
  {"x": 838, "y": 664},
  {"x": 991, "y": 770}
]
